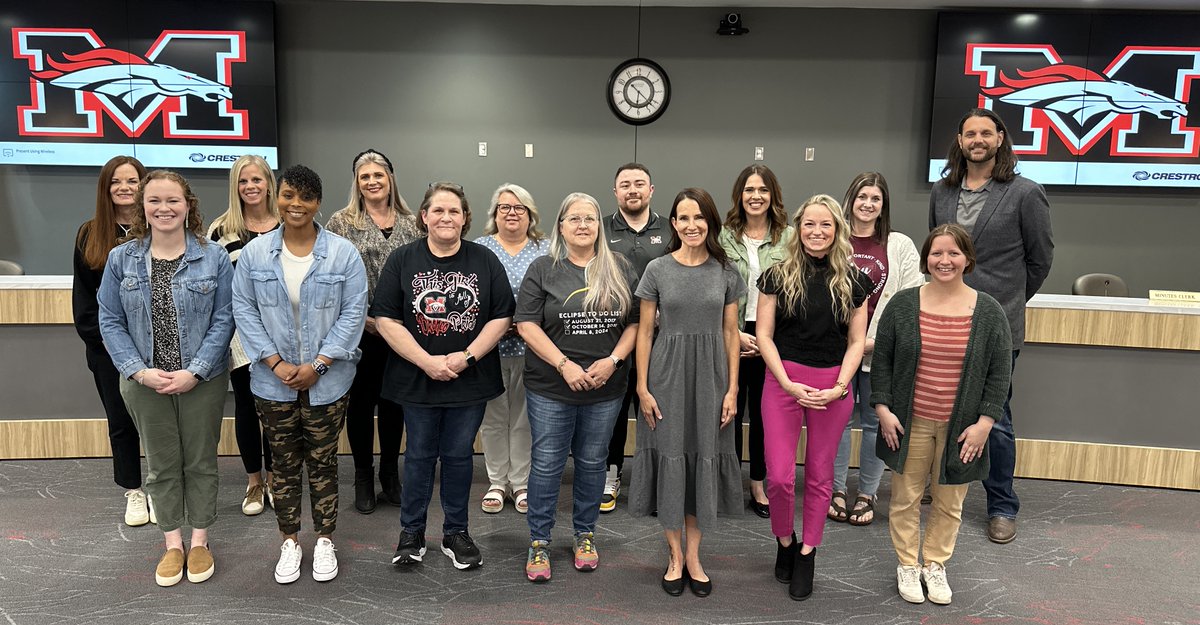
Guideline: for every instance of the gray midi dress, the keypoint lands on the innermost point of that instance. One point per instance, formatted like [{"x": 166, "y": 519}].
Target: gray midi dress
[{"x": 687, "y": 464}]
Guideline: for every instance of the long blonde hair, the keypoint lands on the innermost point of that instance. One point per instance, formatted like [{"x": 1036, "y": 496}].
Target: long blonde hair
[
  {"x": 791, "y": 272},
  {"x": 232, "y": 221},
  {"x": 355, "y": 210},
  {"x": 608, "y": 290}
]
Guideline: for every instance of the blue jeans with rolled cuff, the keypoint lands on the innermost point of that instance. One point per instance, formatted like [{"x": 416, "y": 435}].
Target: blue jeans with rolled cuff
[{"x": 558, "y": 429}]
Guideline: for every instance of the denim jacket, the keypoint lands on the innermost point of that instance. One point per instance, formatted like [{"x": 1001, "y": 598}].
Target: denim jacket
[
  {"x": 333, "y": 310},
  {"x": 202, "y": 294}
]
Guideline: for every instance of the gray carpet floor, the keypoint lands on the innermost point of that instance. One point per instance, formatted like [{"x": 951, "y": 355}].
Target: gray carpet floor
[{"x": 1085, "y": 554}]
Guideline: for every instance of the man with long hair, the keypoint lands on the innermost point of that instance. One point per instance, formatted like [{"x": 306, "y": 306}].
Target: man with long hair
[{"x": 1008, "y": 217}]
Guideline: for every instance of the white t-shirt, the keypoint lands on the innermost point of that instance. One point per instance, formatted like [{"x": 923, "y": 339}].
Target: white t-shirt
[
  {"x": 294, "y": 270},
  {"x": 752, "y": 246}
]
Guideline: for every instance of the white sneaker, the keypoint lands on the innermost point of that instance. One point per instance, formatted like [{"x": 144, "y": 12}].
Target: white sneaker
[
  {"x": 936, "y": 584},
  {"x": 612, "y": 489},
  {"x": 150, "y": 509},
  {"x": 324, "y": 560},
  {"x": 252, "y": 503},
  {"x": 908, "y": 583},
  {"x": 135, "y": 508},
  {"x": 287, "y": 570}
]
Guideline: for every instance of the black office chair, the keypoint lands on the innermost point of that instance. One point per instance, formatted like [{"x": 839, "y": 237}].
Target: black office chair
[
  {"x": 9, "y": 268},
  {"x": 1104, "y": 284}
]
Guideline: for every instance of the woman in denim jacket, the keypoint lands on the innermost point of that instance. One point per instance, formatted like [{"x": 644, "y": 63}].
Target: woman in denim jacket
[
  {"x": 300, "y": 293},
  {"x": 166, "y": 320}
]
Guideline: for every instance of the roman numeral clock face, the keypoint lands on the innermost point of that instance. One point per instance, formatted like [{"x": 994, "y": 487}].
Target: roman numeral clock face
[{"x": 638, "y": 91}]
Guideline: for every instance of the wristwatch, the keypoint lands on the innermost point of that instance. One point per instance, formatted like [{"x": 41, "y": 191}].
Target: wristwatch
[
  {"x": 470, "y": 357},
  {"x": 320, "y": 367},
  {"x": 844, "y": 387},
  {"x": 617, "y": 362}
]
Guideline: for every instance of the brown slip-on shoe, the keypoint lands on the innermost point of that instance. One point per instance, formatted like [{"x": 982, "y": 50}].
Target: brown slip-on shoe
[
  {"x": 170, "y": 568},
  {"x": 1001, "y": 530},
  {"x": 200, "y": 565}
]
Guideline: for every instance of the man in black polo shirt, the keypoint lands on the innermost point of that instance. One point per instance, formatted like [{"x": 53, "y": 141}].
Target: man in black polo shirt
[{"x": 641, "y": 235}]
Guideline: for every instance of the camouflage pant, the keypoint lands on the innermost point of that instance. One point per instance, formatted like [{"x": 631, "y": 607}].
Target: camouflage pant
[{"x": 302, "y": 435}]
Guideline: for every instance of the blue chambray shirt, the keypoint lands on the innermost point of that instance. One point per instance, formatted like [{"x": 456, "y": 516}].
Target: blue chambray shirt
[
  {"x": 333, "y": 309},
  {"x": 202, "y": 294}
]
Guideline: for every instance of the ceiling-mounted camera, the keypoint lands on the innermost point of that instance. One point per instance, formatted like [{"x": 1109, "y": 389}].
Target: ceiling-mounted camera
[{"x": 731, "y": 24}]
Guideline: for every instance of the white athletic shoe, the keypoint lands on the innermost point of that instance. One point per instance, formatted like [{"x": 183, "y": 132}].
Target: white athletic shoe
[
  {"x": 908, "y": 583},
  {"x": 936, "y": 585},
  {"x": 287, "y": 570},
  {"x": 135, "y": 508},
  {"x": 325, "y": 565}
]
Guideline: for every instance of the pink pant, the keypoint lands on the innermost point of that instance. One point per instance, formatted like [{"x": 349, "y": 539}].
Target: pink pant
[{"x": 783, "y": 419}]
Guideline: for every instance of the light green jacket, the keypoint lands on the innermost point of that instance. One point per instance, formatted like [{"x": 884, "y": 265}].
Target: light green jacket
[{"x": 739, "y": 256}]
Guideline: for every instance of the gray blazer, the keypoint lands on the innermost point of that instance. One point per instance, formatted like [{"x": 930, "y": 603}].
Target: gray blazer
[{"x": 1014, "y": 245}]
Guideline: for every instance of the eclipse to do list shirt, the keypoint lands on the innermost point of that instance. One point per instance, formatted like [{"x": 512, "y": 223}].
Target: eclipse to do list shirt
[
  {"x": 444, "y": 304},
  {"x": 552, "y": 297}
]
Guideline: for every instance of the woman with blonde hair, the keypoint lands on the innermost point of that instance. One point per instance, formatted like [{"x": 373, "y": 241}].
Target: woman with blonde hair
[
  {"x": 376, "y": 220},
  {"x": 512, "y": 233},
  {"x": 577, "y": 314},
  {"x": 116, "y": 195},
  {"x": 252, "y": 212},
  {"x": 812, "y": 322}
]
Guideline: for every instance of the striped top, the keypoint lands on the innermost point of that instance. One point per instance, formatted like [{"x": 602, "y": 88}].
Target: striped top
[{"x": 939, "y": 367}]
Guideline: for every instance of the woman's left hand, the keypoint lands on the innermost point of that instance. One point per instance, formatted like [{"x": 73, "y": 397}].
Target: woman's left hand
[
  {"x": 600, "y": 371},
  {"x": 180, "y": 382},
  {"x": 974, "y": 439},
  {"x": 728, "y": 408}
]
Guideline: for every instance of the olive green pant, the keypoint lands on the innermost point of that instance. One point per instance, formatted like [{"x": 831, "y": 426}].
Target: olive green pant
[
  {"x": 180, "y": 434},
  {"x": 302, "y": 435}
]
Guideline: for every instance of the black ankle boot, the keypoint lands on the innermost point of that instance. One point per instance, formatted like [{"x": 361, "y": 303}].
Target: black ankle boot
[
  {"x": 785, "y": 560},
  {"x": 802, "y": 576},
  {"x": 364, "y": 490},
  {"x": 389, "y": 484}
]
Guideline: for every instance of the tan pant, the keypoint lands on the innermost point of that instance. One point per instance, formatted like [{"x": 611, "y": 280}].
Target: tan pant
[
  {"x": 504, "y": 433},
  {"x": 926, "y": 444}
]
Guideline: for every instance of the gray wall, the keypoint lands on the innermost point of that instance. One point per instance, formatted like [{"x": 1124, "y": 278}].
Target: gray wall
[{"x": 426, "y": 83}]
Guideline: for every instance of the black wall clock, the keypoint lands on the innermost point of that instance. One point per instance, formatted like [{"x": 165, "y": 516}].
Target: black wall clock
[{"x": 638, "y": 91}]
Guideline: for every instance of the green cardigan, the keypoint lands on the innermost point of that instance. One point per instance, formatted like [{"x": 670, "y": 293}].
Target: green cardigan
[{"x": 982, "y": 390}]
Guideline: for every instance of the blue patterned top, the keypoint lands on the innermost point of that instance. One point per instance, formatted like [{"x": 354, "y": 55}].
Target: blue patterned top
[{"x": 511, "y": 346}]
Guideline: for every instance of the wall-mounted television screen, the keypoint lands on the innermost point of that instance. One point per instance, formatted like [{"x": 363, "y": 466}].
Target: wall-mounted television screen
[
  {"x": 1108, "y": 99},
  {"x": 176, "y": 84}
]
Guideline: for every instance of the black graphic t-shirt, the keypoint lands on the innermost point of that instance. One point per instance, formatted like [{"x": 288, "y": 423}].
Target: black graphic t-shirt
[
  {"x": 552, "y": 297},
  {"x": 444, "y": 303}
]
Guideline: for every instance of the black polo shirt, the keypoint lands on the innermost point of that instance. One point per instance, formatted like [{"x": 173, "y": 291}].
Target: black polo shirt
[{"x": 639, "y": 247}]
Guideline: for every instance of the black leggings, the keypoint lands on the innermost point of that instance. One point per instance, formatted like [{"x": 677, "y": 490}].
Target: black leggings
[
  {"x": 360, "y": 416},
  {"x": 254, "y": 448},
  {"x": 751, "y": 374},
  {"x": 122, "y": 434}
]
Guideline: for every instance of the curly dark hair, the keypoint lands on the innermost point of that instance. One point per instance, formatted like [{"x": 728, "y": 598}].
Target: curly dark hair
[
  {"x": 139, "y": 229},
  {"x": 304, "y": 180}
]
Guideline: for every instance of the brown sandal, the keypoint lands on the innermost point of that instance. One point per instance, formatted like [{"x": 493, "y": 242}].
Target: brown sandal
[
  {"x": 837, "y": 511},
  {"x": 863, "y": 506}
]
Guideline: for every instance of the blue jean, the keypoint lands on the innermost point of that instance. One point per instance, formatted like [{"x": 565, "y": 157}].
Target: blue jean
[
  {"x": 1002, "y": 453},
  {"x": 870, "y": 467},
  {"x": 437, "y": 433},
  {"x": 557, "y": 429}
]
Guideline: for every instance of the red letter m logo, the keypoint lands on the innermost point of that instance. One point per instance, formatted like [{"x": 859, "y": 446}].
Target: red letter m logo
[{"x": 185, "y": 77}]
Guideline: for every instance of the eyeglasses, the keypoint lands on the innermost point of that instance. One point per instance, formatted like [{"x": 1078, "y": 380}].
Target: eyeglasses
[
  {"x": 576, "y": 220},
  {"x": 516, "y": 209}
]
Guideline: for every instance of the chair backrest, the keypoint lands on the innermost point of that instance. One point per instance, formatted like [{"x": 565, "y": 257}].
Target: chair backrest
[
  {"x": 1100, "y": 284},
  {"x": 9, "y": 268}
]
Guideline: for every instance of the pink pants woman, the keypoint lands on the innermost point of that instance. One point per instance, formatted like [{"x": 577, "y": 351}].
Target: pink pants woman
[{"x": 783, "y": 419}]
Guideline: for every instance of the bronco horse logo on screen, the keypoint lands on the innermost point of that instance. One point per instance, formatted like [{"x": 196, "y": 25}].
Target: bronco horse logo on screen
[
  {"x": 1081, "y": 105},
  {"x": 74, "y": 78}
]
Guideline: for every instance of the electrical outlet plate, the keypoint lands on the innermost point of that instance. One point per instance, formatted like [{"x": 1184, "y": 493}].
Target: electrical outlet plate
[
  {"x": 758, "y": 153},
  {"x": 483, "y": 148}
]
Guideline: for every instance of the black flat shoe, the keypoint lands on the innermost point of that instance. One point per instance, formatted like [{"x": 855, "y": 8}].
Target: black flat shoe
[
  {"x": 364, "y": 491},
  {"x": 700, "y": 589},
  {"x": 674, "y": 587},
  {"x": 763, "y": 510}
]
